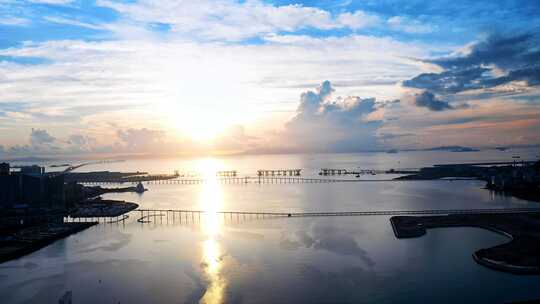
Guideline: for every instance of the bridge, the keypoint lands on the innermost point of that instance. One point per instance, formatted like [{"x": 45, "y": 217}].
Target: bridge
[
  {"x": 237, "y": 180},
  {"x": 348, "y": 213},
  {"x": 181, "y": 215}
]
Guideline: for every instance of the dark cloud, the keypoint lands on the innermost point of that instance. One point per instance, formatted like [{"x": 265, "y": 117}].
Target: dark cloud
[
  {"x": 40, "y": 137},
  {"x": 494, "y": 61},
  {"x": 452, "y": 81},
  {"x": 324, "y": 124},
  {"x": 388, "y": 136},
  {"x": 20, "y": 150},
  {"x": 426, "y": 99}
]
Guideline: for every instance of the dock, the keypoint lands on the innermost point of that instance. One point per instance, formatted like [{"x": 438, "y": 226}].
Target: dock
[{"x": 238, "y": 180}]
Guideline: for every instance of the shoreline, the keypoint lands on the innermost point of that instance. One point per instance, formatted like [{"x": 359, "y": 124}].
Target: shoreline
[
  {"x": 103, "y": 208},
  {"x": 518, "y": 256},
  {"x": 28, "y": 241}
]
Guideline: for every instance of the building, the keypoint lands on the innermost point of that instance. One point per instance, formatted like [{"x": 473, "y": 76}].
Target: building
[
  {"x": 34, "y": 169},
  {"x": 4, "y": 169},
  {"x": 31, "y": 188}
]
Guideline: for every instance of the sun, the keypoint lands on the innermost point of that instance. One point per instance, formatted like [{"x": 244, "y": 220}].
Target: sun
[
  {"x": 202, "y": 127},
  {"x": 204, "y": 131}
]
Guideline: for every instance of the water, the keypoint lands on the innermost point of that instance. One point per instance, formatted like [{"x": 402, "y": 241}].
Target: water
[{"x": 296, "y": 260}]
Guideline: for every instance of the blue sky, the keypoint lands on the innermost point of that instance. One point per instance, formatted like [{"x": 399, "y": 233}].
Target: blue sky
[
  {"x": 217, "y": 74},
  {"x": 433, "y": 21}
]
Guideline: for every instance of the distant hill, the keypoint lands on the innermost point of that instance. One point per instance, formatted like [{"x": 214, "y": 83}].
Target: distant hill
[{"x": 452, "y": 149}]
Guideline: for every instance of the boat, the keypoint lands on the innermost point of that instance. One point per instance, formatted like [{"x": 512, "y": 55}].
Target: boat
[{"x": 139, "y": 188}]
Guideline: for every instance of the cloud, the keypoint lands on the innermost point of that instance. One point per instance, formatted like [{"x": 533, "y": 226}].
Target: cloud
[
  {"x": 426, "y": 99},
  {"x": 141, "y": 139},
  {"x": 407, "y": 25},
  {"x": 236, "y": 20},
  {"x": 59, "y": 2},
  {"x": 14, "y": 21},
  {"x": 235, "y": 139},
  {"x": 40, "y": 137},
  {"x": 495, "y": 61},
  {"x": 79, "y": 143},
  {"x": 161, "y": 83},
  {"x": 358, "y": 20},
  {"x": 73, "y": 22},
  {"x": 325, "y": 124}
]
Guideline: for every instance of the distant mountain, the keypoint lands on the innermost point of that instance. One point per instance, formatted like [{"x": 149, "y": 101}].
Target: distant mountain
[
  {"x": 452, "y": 149},
  {"x": 28, "y": 159}
]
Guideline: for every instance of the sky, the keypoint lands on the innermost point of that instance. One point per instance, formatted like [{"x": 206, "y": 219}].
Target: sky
[{"x": 174, "y": 77}]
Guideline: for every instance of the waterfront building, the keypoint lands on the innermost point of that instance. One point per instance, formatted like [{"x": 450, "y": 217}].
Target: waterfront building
[
  {"x": 4, "y": 169},
  {"x": 34, "y": 169},
  {"x": 31, "y": 188}
]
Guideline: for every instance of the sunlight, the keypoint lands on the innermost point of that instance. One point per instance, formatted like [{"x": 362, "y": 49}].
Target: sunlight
[
  {"x": 215, "y": 290},
  {"x": 211, "y": 201},
  {"x": 203, "y": 127}
]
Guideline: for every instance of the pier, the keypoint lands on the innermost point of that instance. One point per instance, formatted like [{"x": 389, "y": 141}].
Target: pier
[
  {"x": 281, "y": 172},
  {"x": 326, "y": 171},
  {"x": 329, "y": 171},
  {"x": 239, "y": 180},
  {"x": 231, "y": 173}
]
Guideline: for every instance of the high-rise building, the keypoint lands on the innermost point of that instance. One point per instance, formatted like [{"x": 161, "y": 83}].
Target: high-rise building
[
  {"x": 33, "y": 169},
  {"x": 31, "y": 188},
  {"x": 4, "y": 169}
]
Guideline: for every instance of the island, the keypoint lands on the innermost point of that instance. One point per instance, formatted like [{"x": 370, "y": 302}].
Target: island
[{"x": 520, "y": 255}]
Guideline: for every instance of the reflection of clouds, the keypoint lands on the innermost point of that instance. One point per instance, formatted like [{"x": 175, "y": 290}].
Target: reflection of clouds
[
  {"x": 58, "y": 282},
  {"x": 345, "y": 245},
  {"x": 327, "y": 238},
  {"x": 307, "y": 240},
  {"x": 246, "y": 235},
  {"x": 120, "y": 240},
  {"x": 288, "y": 244},
  {"x": 334, "y": 285}
]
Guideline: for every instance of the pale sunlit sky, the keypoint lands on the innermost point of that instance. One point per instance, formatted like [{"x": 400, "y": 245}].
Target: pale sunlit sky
[{"x": 187, "y": 77}]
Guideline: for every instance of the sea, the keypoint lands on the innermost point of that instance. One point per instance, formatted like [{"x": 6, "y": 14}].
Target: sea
[{"x": 213, "y": 257}]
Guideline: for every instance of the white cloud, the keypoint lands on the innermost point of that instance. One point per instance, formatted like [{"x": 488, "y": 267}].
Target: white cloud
[
  {"x": 66, "y": 21},
  {"x": 60, "y": 2},
  {"x": 407, "y": 25},
  {"x": 178, "y": 86},
  {"x": 358, "y": 20},
  {"x": 234, "y": 20},
  {"x": 14, "y": 21},
  {"x": 324, "y": 123}
]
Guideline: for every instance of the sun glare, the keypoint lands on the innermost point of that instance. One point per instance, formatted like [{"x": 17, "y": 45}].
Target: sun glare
[
  {"x": 200, "y": 127},
  {"x": 211, "y": 201}
]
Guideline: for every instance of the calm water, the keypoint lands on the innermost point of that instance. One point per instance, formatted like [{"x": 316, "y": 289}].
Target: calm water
[{"x": 216, "y": 259}]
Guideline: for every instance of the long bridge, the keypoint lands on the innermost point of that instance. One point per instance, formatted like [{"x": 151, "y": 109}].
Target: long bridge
[
  {"x": 348, "y": 213},
  {"x": 181, "y": 215},
  {"x": 236, "y": 180}
]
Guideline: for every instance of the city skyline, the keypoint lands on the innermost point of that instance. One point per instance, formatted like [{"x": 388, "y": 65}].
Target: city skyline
[{"x": 177, "y": 77}]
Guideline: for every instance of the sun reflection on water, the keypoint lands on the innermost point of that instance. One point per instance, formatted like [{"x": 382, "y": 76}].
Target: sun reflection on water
[{"x": 211, "y": 201}]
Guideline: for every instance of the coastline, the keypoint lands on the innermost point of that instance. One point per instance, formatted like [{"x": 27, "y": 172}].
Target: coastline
[
  {"x": 27, "y": 240},
  {"x": 517, "y": 256}
]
